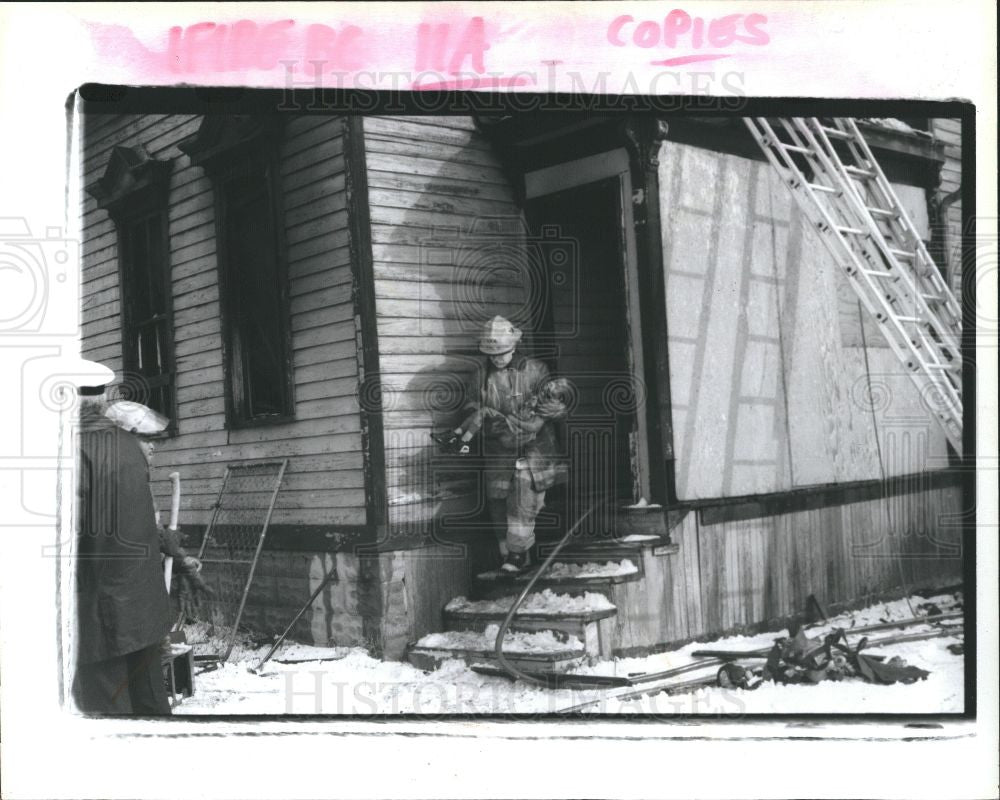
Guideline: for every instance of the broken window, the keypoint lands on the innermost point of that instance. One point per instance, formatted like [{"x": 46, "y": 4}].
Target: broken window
[
  {"x": 257, "y": 352},
  {"x": 133, "y": 189},
  {"x": 146, "y": 330},
  {"x": 239, "y": 153}
]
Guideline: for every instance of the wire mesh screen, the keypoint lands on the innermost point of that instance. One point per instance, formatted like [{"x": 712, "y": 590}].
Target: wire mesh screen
[{"x": 229, "y": 554}]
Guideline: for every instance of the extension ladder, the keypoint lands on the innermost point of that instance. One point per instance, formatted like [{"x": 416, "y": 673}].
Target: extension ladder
[{"x": 844, "y": 194}]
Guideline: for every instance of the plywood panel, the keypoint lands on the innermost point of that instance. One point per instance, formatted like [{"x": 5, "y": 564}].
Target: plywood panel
[{"x": 766, "y": 395}]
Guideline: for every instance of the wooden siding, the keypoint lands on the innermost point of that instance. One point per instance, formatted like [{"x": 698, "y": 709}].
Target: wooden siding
[
  {"x": 324, "y": 481},
  {"x": 739, "y": 576},
  {"x": 729, "y": 577},
  {"x": 447, "y": 247},
  {"x": 765, "y": 396}
]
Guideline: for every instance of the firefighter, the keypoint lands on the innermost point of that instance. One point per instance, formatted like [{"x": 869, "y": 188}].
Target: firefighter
[{"x": 514, "y": 403}]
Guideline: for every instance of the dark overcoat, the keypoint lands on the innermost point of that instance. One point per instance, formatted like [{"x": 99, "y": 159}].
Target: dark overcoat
[{"x": 122, "y": 602}]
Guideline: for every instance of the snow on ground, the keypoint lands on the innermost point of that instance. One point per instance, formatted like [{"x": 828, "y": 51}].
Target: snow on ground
[
  {"x": 355, "y": 683},
  {"x": 544, "y": 602}
]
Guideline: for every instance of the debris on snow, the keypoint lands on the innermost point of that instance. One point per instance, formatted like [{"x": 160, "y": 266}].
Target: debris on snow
[
  {"x": 545, "y": 602},
  {"x": 360, "y": 684}
]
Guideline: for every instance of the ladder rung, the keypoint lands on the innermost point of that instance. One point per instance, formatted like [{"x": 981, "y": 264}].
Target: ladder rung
[
  {"x": 797, "y": 149},
  {"x": 835, "y": 132},
  {"x": 882, "y": 212},
  {"x": 855, "y": 231},
  {"x": 910, "y": 319},
  {"x": 933, "y": 298},
  {"x": 862, "y": 173},
  {"x": 945, "y": 367},
  {"x": 819, "y": 187},
  {"x": 902, "y": 253},
  {"x": 878, "y": 273}
]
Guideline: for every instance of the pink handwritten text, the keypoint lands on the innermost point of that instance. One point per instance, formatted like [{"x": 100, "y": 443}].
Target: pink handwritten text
[{"x": 680, "y": 29}]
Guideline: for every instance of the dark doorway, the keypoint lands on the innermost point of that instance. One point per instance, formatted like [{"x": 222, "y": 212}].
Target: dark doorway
[{"x": 582, "y": 332}]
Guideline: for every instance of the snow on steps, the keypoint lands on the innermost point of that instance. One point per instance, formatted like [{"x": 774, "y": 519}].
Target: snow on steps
[
  {"x": 572, "y": 605},
  {"x": 568, "y": 577},
  {"x": 612, "y": 548},
  {"x": 541, "y": 651},
  {"x": 587, "y": 617}
]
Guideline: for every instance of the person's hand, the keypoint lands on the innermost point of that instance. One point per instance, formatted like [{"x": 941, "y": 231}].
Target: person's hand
[
  {"x": 193, "y": 592},
  {"x": 197, "y": 585},
  {"x": 190, "y": 564}
]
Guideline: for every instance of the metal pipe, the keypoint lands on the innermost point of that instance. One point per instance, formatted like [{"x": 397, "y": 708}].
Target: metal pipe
[{"x": 312, "y": 598}]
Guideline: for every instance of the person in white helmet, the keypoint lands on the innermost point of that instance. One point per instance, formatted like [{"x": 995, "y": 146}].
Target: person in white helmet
[
  {"x": 513, "y": 402},
  {"x": 122, "y": 606}
]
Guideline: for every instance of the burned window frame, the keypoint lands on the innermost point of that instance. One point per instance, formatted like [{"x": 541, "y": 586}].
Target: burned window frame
[
  {"x": 235, "y": 149},
  {"x": 134, "y": 190}
]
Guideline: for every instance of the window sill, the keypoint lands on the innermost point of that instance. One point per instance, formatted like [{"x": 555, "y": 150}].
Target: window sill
[{"x": 260, "y": 422}]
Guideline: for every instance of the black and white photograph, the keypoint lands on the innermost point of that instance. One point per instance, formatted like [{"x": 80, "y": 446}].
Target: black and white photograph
[
  {"x": 480, "y": 399},
  {"x": 537, "y": 412}
]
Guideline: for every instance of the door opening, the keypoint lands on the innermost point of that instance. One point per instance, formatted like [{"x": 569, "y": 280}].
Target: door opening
[{"x": 583, "y": 333}]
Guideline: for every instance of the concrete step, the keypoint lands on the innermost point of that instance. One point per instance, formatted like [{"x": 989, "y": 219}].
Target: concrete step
[
  {"x": 568, "y": 577},
  {"x": 542, "y": 651}
]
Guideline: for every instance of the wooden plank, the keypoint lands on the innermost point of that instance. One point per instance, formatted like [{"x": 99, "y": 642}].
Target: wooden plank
[
  {"x": 688, "y": 537},
  {"x": 211, "y": 448},
  {"x": 430, "y": 167},
  {"x": 303, "y": 320},
  {"x": 200, "y": 255},
  {"x": 331, "y": 262},
  {"x": 438, "y": 188},
  {"x": 329, "y": 208},
  {"x": 325, "y": 242},
  {"x": 394, "y": 147},
  {"x": 420, "y": 129},
  {"x": 319, "y": 181},
  {"x": 389, "y": 205},
  {"x": 323, "y": 151},
  {"x": 444, "y": 310},
  {"x": 326, "y": 298},
  {"x": 709, "y": 578},
  {"x": 305, "y": 134},
  {"x": 334, "y": 333},
  {"x": 330, "y": 384},
  {"x": 318, "y": 226},
  {"x": 430, "y": 578}
]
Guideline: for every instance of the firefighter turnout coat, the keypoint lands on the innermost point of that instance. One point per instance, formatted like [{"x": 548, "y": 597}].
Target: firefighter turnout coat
[{"x": 502, "y": 403}]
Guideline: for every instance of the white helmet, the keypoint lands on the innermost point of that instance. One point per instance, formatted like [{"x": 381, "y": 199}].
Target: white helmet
[
  {"x": 136, "y": 418},
  {"x": 499, "y": 336}
]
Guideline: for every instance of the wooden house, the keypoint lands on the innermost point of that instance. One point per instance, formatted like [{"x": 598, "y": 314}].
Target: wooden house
[{"x": 309, "y": 287}]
